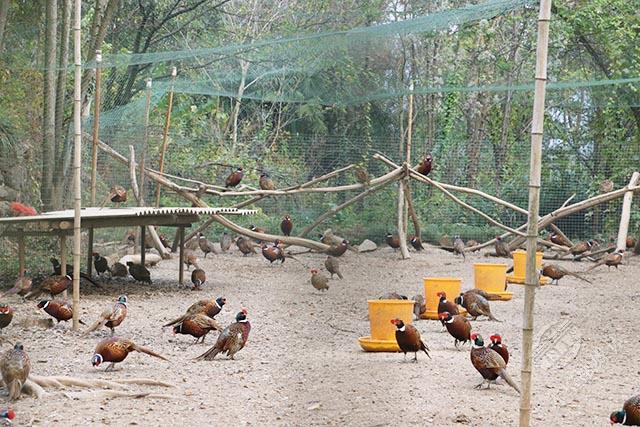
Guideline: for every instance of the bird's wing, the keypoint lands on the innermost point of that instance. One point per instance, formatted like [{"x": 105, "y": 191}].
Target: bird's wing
[
  {"x": 205, "y": 321},
  {"x": 493, "y": 360},
  {"x": 117, "y": 312}
]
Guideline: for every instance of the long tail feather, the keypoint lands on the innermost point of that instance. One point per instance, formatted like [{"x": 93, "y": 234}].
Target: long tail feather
[
  {"x": 15, "y": 388},
  {"x": 149, "y": 352},
  {"x": 209, "y": 354},
  {"x": 509, "y": 380},
  {"x": 178, "y": 320},
  {"x": 577, "y": 276},
  {"x": 98, "y": 323}
]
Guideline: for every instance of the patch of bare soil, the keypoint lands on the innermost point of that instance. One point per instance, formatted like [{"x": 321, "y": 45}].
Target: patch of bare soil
[{"x": 303, "y": 364}]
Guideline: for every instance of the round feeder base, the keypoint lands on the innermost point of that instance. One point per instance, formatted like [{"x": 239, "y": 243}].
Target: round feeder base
[
  {"x": 520, "y": 280},
  {"x": 369, "y": 344},
  {"x": 504, "y": 296}
]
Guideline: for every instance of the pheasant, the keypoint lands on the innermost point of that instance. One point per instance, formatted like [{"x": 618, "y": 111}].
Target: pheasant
[
  {"x": 559, "y": 239},
  {"x": 458, "y": 247},
  {"x": 319, "y": 280},
  {"x": 59, "y": 310},
  {"x": 416, "y": 242},
  {"x": 6, "y": 315},
  {"x": 448, "y": 306},
  {"x": 419, "y": 307},
  {"x": 498, "y": 347},
  {"x": 273, "y": 253},
  {"x": 338, "y": 250},
  {"x": 116, "y": 349},
  {"x": 210, "y": 307},
  {"x": 408, "y": 339},
  {"x": 489, "y": 363},
  {"x": 333, "y": 266},
  {"x": 15, "y": 367},
  {"x": 54, "y": 285},
  {"x": 580, "y": 248},
  {"x": 475, "y": 304},
  {"x": 198, "y": 277},
  {"x": 21, "y": 287},
  {"x": 245, "y": 246},
  {"x": 458, "y": 327},
  {"x": 231, "y": 340},
  {"x": 100, "y": 263},
  {"x": 234, "y": 178},
  {"x": 630, "y": 413},
  {"x": 139, "y": 272},
  {"x": 286, "y": 225},
  {"x": 425, "y": 166},
  {"x": 265, "y": 182},
  {"x": 225, "y": 242},
  {"x": 119, "y": 270},
  {"x": 117, "y": 195},
  {"x": 206, "y": 246},
  {"x": 556, "y": 272},
  {"x": 197, "y": 325},
  {"x": 393, "y": 240},
  {"x": 111, "y": 318},
  {"x": 610, "y": 260},
  {"x": 502, "y": 248},
  {"x": 362, "y": 176}
]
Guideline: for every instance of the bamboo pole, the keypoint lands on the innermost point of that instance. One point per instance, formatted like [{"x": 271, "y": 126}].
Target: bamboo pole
[
  {"x": 21, "y": 263},
  {"x": 531, "y": 276},
  {"x": 406, "y": 185},
  {"x": 145, "y": 143},
  {"x": 626, "y": 213},
  {"x": 402, "y": 235},
  {"x": 165, "y": 132},
  {"x": 77, "y": 127},
  {"x": 96, "y": 126}
]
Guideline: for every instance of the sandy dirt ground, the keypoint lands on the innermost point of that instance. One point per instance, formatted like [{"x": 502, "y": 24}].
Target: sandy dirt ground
[{"x": 303, "y": 364}]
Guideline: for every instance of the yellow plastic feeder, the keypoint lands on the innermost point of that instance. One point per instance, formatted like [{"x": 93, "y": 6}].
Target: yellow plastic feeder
[
  {"x": 491, "y": 278},
  {"x": 433, "y": 285},
  {"x": 520, "y": 266},
  {"x": 383, "y": 332}
]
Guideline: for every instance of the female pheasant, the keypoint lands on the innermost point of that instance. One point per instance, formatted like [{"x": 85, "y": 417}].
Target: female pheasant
[
  {"x": 232, "y": 339},
  {"x": 15, "y": 367}
]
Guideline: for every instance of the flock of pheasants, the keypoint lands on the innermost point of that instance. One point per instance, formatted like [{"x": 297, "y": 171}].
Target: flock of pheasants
[{"x": 490, "y": 361}]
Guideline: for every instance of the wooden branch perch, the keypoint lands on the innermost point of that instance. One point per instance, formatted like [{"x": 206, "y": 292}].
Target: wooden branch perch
[{"x": 412, "y": 211}]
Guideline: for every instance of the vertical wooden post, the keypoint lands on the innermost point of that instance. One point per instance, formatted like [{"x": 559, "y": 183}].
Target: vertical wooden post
[
  {"x": 96, "y": 126},
  {"x": 623, "y": 229},
  {"x": 145, "y": 142},
  {"x": 63, "y": 259},
  {"x": 407, "y": 158},
  {"x": 77, "y": 155},
  {"x": 181, "y": 257},
  {"x": 165, "y": 132},
  {"x": 143, "y": 237},
  {"x": 531, "y": 276},
  {"x": 21, "y": 263},
  {"x": 90, "y": 252}
]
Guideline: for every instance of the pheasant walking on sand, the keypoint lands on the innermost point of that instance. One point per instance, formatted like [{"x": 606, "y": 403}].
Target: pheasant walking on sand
[
  {"x": 111, "y": 318},
  {"x": 231, "y": 340},
  {"x": 476, "y": 305},
  {"x": 489, "y": 363},
  {"x": 556, "y": 272},
  {"x": 333, "y": 266},
  {"x": 115, "y": 350},
  {"x": 408, "y": 339},
  {"x": 209, "y": 307}
]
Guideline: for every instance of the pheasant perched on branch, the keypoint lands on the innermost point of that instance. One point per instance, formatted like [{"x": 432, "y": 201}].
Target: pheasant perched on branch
[
  {"x": 425, "y": 166},
  {"x": 15, "y": 367},
  {"x": 117, "y": 195},
  {"x": 458, "y": 247},
  {"x": 408, "y": 339},
  {"x": 232, "y": 339},
  {"x": 115, "y": 350},
  {"x": 265, "y": 182},
  {"x": 489, "y": 363},
  {"x": 111, "y": 318},
  {"x": 580, "y": 248},
  {"x": 234, "y": 178},
  {"x": 362, "y": 176}
]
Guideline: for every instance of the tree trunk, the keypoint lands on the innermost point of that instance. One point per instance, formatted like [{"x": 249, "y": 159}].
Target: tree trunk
[
  {"x": 4, "y": 15},
  {"x": 244, "y": 67},
  {"x": 49, "y": 114},
  {"x": 61, "y": 86}
]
